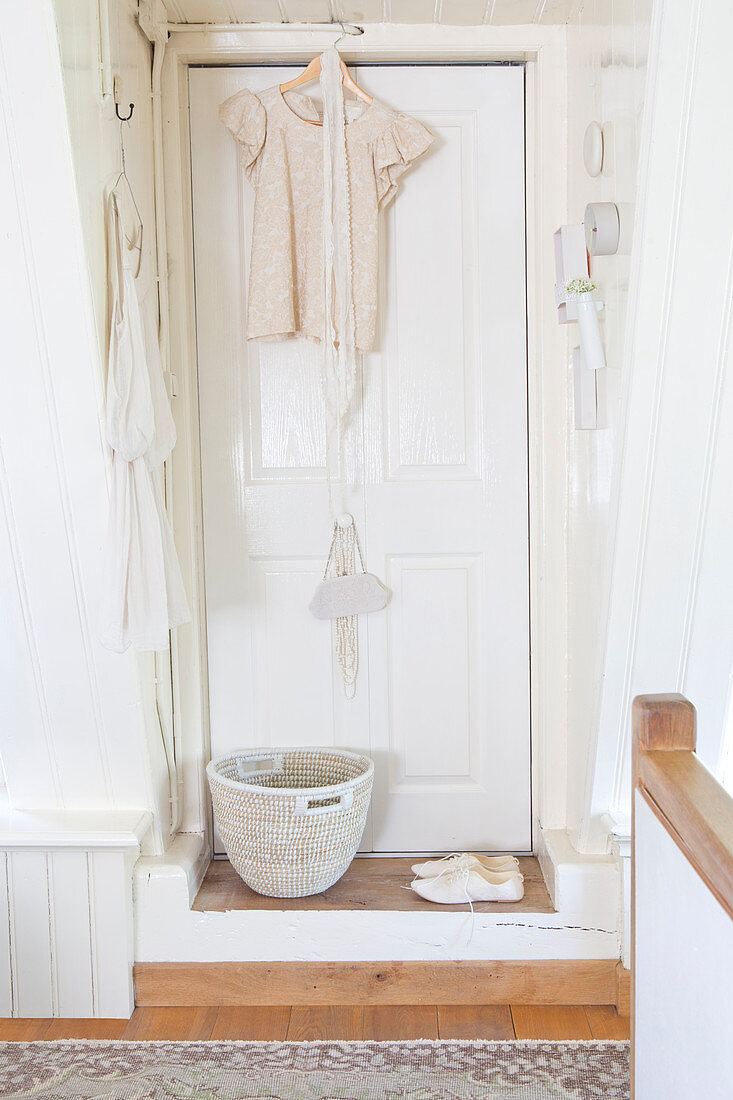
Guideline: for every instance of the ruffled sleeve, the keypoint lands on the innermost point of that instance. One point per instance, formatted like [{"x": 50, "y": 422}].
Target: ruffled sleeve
[
  {"x": 397, "y": 146},
  {"x": 246, "y": 119}
]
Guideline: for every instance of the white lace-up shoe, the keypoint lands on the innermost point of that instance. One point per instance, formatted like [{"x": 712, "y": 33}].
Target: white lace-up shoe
[
  {"x": 434, "y": 867},
  {"x": 464, "y": 883}
]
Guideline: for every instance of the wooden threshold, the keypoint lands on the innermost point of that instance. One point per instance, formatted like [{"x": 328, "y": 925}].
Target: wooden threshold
[
  {"x": 547, "y": 981},
  {"x": 373, "y": 883}
]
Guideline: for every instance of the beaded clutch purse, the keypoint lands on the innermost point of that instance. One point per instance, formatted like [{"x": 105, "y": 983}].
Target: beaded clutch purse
[
  {"x": 346, "y": 589},
  {"x": 354, "y": 594}
]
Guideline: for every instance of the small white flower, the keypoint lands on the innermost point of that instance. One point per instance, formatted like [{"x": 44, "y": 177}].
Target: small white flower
[{"x": 579, "y": 286}]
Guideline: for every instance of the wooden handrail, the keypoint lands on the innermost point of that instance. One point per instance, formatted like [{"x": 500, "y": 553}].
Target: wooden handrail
[{"x": 694, "y": 808}]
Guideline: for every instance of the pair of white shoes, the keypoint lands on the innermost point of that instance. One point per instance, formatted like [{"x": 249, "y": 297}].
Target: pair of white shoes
[{"x": 465, "y": 877}]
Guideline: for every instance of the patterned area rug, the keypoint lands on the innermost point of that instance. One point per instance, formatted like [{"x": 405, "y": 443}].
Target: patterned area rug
[{"x": 425, "y": 1070}]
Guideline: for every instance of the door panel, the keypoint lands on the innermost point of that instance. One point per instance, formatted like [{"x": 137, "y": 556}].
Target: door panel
[
  {"x": 440, "y": 447},
  {"x": 446, "y": 510}
]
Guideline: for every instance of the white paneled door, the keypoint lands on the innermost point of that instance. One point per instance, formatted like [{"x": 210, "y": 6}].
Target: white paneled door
[{"x": 440, "y": 499}]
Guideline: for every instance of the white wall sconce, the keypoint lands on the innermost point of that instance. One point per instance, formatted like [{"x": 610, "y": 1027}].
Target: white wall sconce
[
  {"x": 574, "y": 293},
  {"x": 571, "y": 269},
  {"x": 580, "y": 291},
  {"x": 602, "y": 228},
  {"x": 575, "y": 302}
]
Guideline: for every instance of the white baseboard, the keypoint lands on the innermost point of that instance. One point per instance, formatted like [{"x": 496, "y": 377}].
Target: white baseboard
[
  {"x": 585, "y": 926},
  {"x": 584, "y": 888}
]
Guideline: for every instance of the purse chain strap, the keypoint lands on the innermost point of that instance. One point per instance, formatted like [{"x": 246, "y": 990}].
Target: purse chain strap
[{"x": 345, "y": 548}]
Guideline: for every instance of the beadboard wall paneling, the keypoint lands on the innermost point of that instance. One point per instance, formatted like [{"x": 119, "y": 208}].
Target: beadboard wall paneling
[
  {"x": 66, "y": 918},
  {"x": 447, "y": 12},
  {"x": 77, "y": 723},
  {"x": 606, "y": 72},
  {"x": 31, "y": 935},
  {"x": 671, "y": 590},
  {"x": 95, "y": 144}
]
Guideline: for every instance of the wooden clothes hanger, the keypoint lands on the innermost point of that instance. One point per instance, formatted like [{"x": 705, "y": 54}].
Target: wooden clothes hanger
[{"x": 313, "y": 70}]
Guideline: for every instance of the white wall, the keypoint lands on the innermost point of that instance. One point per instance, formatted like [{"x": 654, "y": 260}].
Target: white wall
[
  {"x": 73, "y": 729},
  {"x": 670, "y": 621},
  {"x": 81, "y": 752},
  {"x": 93, "y": 128},
  {"x": 606, "y": 54},
  {"x": 607, "y": 59},
  {"x": 95, "y": 142},
  {"x": 683, "y": 961}
]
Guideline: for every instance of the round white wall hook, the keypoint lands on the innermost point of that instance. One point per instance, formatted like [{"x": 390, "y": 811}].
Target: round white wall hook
[
  {"x": 593, "y": 149},
  {"x": 345, "y": 520}
]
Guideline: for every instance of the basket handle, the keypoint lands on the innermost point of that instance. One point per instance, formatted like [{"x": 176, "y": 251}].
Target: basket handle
[
  {"x": 275, "y": 760},
  {"x": 310, "y": 806}
]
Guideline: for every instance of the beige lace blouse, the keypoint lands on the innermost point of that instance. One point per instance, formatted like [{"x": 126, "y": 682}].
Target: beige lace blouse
[{"x": 283, "y": 159}]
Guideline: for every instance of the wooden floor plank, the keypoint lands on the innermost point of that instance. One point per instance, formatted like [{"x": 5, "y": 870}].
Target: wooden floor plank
[
  {"x": 23, "y": 1030},
  {"x": 475, "y": 1022},
  {"x": 371, "y": 1022},
  {"x": 550, "y": 1022},
  {"x": 86, "y": 1029},
  {"x": 605, "y": 1022},
  {"x": 372, "y": 883},
  {"x": 325, "y": 1022},
  {"x": 183, "y": 1024},
  {"x": 400, "y": 1022},
  {"x": 257, "y": 1024}
]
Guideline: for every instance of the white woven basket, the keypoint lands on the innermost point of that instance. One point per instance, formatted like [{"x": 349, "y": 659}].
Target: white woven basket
[{"x": 291, "y": 819}]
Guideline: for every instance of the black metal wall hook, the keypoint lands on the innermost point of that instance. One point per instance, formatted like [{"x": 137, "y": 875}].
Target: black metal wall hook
[{"x": 128, "y": 117}]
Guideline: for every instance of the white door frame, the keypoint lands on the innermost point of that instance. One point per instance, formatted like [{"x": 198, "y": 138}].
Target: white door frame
[
  {"x": 542, "y": 49},
  {"x": 436, "y": 793}
]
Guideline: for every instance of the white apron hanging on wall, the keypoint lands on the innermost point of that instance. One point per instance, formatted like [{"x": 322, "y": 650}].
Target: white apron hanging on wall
[
  {"x": 326, "y": 180},
  {"x": 143, "y": 595}
]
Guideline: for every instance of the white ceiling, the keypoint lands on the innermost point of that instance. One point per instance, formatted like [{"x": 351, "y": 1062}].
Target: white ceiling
[{"x": 448, "y": 12}]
